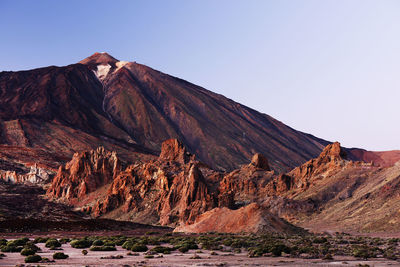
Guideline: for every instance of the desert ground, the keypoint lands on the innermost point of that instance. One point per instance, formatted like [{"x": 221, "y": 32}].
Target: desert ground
[
  {"x": 94, "y": 258},
  {"x": 202, "y": 256}
]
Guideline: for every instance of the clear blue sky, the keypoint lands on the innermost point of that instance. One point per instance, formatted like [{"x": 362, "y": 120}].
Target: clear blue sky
[{"x": 330, "y": 68}]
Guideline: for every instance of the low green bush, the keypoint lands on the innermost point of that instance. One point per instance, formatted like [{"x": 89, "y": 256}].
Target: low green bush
[
  {"x": 98, "y": 242},
  {"x": 27, "y": 252},
  {"x": 364, "y": 252},
  {"x": 127, "y": 244},
  {"x": 8, "y": 248},
  {"x": 31, "y": 245},
  {"x": 139, "y": 248},
  {"x": 18, "y": 242},
  {"x": 183, "y": 249},
  {"x": 52, "y": 243},
  {"x": 279, "y": 248},
  {"x": 40, "y": 239},
  {"x": 60, "y": 256},
  {"x": 64, "y": 240},
  {"x": 33, "y": 258},
  {"x": 161, "y": 249},
  {"x": 81, "y": 243}
]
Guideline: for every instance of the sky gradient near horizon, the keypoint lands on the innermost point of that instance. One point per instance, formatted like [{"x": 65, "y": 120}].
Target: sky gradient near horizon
[{"x": 329, "y": 68}]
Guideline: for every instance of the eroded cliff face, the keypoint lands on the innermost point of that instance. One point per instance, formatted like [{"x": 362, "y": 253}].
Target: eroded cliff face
[
  {"x": 177, "y": 190},
  {"x": 36, "y": 175},
  {"x": 242, "y": 186},
  {"x": 332, "y": 160},
  {"x": 167, "y": 190},
  {"x": 85, "y": 173}
]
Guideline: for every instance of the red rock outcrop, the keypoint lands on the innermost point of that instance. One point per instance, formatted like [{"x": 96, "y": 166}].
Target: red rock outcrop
[
  {"x": 250, "y": 219},
  {"x": 174, "y": 150},
  {"x": 36, "y": 175},
  {"x": 331, "y": 160},
  {"x": 176, "y": 189},
  {"x": 86, "y": 172},
  {"x": 243, "y": 185},
  {"x": 259, "y": 161},
  {"x": 168, "y": 190}
]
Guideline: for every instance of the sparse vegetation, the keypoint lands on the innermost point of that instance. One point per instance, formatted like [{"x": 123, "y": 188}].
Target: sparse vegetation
[
  {"x": 27, "y": 252},
  {"x": 40, "y": 240},
  {"x": 60, "y": 256},
  {"x": 161, "y": 249},
  {"x": 309, "y": 246},
  {"x": 138, "y": 248},
  {"x": 52, "y": 243},
  {"x": 81, "y": 243},
  {"x": 98, "y": 242},
  {"x": 33, "y": 258},
  {"x": 112, "y": 257}
]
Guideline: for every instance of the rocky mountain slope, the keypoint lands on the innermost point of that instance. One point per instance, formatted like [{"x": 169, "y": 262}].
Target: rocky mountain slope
[
  {"x": 129, "y": 107},
  {"x": 53, "y": 112}
]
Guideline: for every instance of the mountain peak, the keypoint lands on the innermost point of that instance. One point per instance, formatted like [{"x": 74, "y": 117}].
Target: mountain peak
[{"x": 97, "y": 58}]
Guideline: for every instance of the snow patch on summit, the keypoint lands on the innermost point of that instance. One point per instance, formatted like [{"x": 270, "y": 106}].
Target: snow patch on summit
[
  {"x": 102, "y": 71},
  {"x": 120, "y": 64}
]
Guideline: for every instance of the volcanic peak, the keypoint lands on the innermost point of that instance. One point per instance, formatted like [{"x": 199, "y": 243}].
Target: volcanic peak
[{"x": 99, "y": 59}]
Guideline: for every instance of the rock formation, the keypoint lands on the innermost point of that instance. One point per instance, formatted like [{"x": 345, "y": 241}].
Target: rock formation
[
  {"x": 332, "y": 159},
  {"x": 259, "y": 161},
  {"x": 168, "y": 190},
  {"x": 86, "y": 172},
  {"x": 251, "y": 219},
  {"x": 36, "y": 175},
  {"x": 174, "y": 150}
]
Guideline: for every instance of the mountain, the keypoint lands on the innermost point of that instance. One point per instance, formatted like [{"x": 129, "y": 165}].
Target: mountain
[
  {"x": 53, "y": 112},
  {"x": 152, "y": 107},
  {"x": 48, "y": 114}
]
